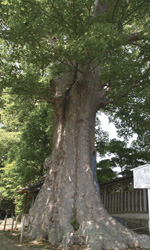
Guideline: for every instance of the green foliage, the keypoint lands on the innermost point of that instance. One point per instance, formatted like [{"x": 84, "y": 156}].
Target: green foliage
[
  {"x": 25, "y": 140},
  {"x": 117, "y": 152},
  {"x": 19, "y": 204},
  {"x": 9, "y": 183},
  {"x": 120, "y": 155},
  {"x": 105, "y": 171},
  {"x": 7, "y": 140},
  {"x": 80, "y": 39},
  {"x": 74, "y": 222},
  {"x": 35, "y": 143}
]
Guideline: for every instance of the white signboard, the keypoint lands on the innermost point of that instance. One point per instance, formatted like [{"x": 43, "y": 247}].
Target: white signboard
[{"x": 141, "y": 176}]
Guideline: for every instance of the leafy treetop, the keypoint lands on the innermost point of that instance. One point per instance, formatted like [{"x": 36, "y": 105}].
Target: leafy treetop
[{"x": 43, "y": 38}]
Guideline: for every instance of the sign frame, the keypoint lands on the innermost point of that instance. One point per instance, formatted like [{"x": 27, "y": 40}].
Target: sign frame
[{"x": 141, "y": 178}]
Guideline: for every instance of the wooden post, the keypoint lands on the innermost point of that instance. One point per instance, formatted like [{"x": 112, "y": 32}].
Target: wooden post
[
  {"x": 140, "y": 199},
  {"x": 113, "y": 203},
  {"x": 106, "y": 206},
  {"x": 113, "y": 200},
  {"x": 145, "y": 200},
  {"x": 12, "y": 225},
  {"x": 125, "y": 202},
  {"x": 118, "y": 206},
  {"x": 129, "y": 200},
  {"x": 136, "y": 200},
  {"x": 121, "y": 197},
  {"x": 105, "y": 197},
  {"x": 22, "y": 229},
  {"x": 132, "y": 200},
  {"x": 109, "y": 208},
  {"x": 149, "y": 209},
  {"x": 16, "y": 221},
  {"x": 5, "y": 221}
]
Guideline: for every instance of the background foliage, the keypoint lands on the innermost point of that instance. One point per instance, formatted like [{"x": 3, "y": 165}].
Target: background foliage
[{"x": 25, "y": 141}]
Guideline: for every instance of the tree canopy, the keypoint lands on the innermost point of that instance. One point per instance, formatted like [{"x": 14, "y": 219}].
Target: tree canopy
[{"x": 36, "y": 47}]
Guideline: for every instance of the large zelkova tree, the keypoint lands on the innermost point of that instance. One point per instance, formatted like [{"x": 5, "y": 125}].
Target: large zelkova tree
[{"x": 81, "y": 56}]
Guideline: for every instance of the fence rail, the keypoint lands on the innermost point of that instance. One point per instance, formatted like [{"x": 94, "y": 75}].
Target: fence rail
[{"x": 128, "y": 201}]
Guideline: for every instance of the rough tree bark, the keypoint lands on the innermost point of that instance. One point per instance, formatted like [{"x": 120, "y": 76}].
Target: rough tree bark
[{"x": 68, "y": 208}]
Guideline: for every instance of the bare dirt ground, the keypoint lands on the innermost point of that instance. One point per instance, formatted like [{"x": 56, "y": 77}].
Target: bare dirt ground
[
  {"x": 8, "y": 242},
  {"x": 12, "y": 242}
]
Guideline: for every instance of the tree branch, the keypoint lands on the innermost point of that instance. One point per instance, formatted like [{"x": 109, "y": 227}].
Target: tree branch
[
  {"x": 114, "y": 10},
  {"x": 133, "y": 37},
  {"x": 125, "y": 94},
  {"x": 40, "y": 96},
  {"x": 61, "y": 17},
  {"x": 89, "y": 7},
  {"x": 38, "y": 8},
  {"x": 130, "y": 13},
  {"x": 99, "y": 8}
]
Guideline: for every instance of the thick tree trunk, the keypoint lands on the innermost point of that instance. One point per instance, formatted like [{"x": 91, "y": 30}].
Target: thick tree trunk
[{"x": 68, "y": 208}]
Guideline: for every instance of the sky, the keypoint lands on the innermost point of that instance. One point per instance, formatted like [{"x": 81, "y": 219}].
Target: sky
[
  {"x": 111, "y": 129},
  {"x": 106, "y": 126}
]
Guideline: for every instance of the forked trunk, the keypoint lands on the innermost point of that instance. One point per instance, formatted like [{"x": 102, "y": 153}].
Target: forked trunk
[{"x": 68, "y": 208}]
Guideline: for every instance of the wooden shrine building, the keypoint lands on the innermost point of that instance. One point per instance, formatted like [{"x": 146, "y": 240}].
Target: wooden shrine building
[{"x": 31, "y": 192}]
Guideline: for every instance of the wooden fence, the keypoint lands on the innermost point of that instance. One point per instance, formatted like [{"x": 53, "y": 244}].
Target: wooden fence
[
  {"x": 129, "y": 201},
  {"x": 119, "y": 196}
]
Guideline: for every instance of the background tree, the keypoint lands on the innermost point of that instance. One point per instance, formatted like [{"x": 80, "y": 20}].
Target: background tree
[
  {"x": 26, "y": 139},
  {"x": 120, "y": 156},
  {"x": 121, "y": 152},
  {"x": 94, "y": 53}
]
